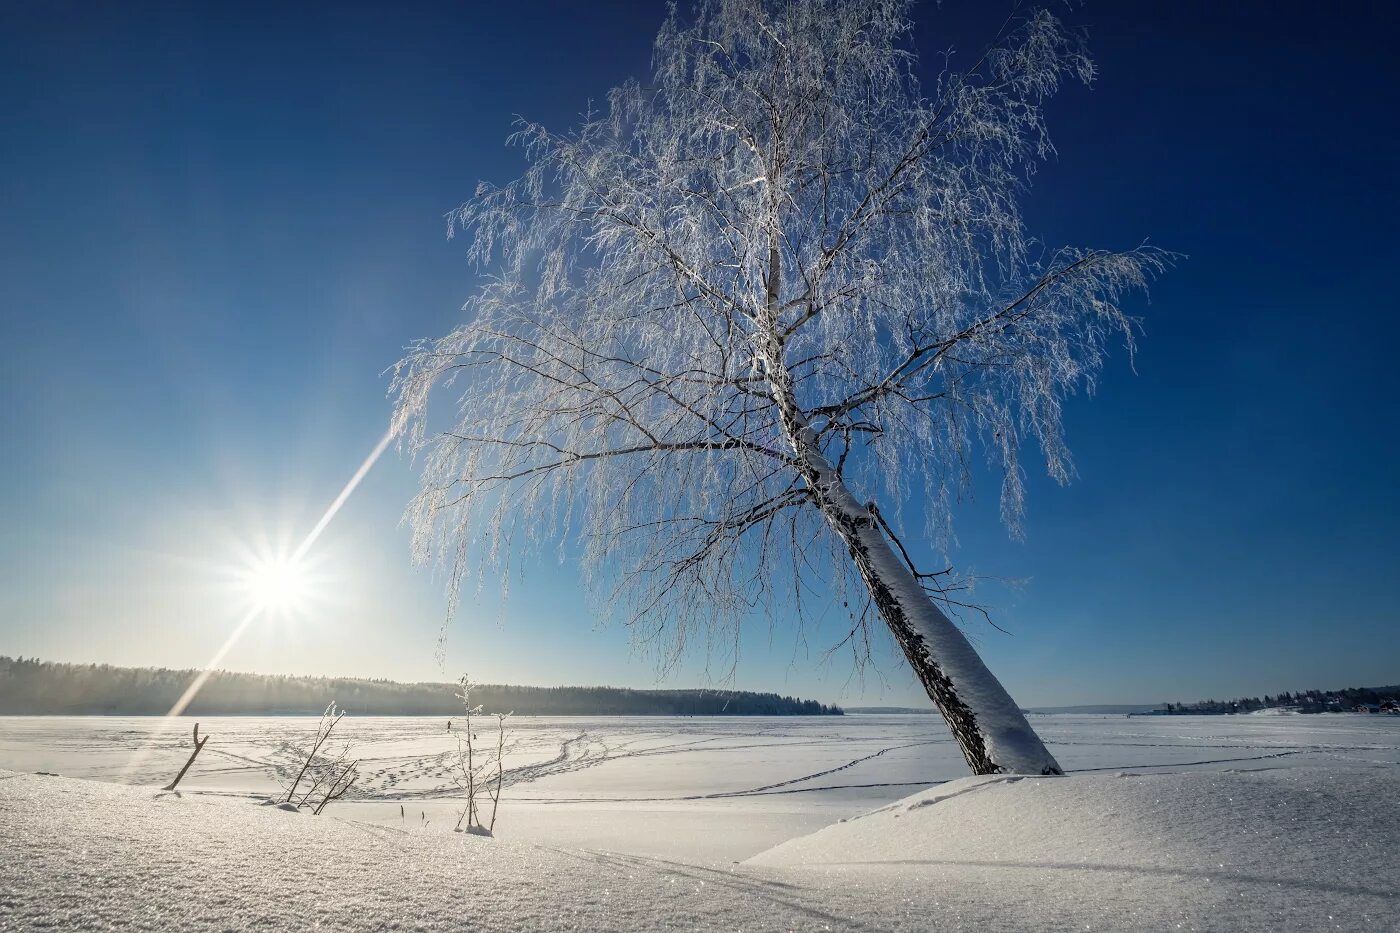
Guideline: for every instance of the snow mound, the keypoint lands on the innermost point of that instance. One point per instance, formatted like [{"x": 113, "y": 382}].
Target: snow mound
[{"x": 1302, "y": 848}]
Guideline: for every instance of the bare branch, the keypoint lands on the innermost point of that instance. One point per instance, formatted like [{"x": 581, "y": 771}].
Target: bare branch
[{"x": 198, "y": 747}]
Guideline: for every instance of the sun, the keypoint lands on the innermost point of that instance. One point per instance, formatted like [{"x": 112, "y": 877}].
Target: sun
[{"x": 277, "y": 584}]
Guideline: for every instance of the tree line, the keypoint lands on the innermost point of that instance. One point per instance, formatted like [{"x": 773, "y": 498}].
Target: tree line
[
  {"x": 29, "y": 686},
  {"x": 1304, "y": 701}
]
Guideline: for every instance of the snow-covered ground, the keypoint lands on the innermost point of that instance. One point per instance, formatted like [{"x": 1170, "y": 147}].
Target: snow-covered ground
[
  {"x": 1285, "y": 848},
  {"x": 1279, "y": 822},
  {"x": 710, "y": 789}
]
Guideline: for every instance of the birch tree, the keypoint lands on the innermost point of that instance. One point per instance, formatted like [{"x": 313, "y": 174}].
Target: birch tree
[{"x": 752, "y": 318}]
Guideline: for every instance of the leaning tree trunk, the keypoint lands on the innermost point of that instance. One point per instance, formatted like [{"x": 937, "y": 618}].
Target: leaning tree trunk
[
  {"x": 988, "y": 725},
  {"x": 990, "y": 728}
]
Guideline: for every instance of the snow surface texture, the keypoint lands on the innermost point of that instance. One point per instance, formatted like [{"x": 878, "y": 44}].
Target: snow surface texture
[
  {"x": 691, "y": 789},
  {"x": 1288, "y": 849}
]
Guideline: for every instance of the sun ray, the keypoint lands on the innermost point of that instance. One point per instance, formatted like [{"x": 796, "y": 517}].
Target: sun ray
[
  {"x": 274, "y": 584},
  {"x": 198, "y": 682},
  {"x": 344, "y": 494}
]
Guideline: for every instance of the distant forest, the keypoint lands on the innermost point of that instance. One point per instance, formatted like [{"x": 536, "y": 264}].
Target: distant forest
[
  {"x": 33, "y": 687},
  {"x": 1304, "y": 701}
]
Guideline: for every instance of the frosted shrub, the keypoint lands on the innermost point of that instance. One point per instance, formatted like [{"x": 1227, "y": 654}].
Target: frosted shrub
[
  {"x": 325, "y": 772},
  {"x": 480, "y": 767}
]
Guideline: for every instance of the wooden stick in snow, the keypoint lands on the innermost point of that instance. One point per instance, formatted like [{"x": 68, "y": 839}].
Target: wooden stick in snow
[{"x": 198, "y": 745}]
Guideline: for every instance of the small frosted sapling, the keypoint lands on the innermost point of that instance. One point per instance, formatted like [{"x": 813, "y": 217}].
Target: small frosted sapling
[
  {"x": 323, "y": 732},
  {"x": 330, "y": 774},
  {"x": 480, "y": 772},
  {"x": 339, "y": 784}
]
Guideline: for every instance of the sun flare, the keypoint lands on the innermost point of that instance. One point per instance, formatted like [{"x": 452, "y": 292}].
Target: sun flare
[{"x": 277, "y": 585}]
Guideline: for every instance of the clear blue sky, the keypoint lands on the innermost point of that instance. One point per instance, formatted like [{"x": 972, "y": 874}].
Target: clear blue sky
[{"x": 220, "y": 223}]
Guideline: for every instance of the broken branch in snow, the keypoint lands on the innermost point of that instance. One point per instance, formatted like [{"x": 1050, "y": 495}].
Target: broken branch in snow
[{"x": 198, "y": 746}]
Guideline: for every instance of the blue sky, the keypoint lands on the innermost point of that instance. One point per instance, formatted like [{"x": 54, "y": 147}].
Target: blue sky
[{"x": 221, "y": 223}]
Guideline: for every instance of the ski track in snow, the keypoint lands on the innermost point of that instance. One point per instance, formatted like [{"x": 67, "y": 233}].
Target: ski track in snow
[
  {"x": 778, "y": 893},
  {"x": 585, "y": 751},
  {"x": 413, "y": 759}
]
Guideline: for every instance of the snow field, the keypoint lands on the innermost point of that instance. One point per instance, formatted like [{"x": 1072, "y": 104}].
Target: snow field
[
  {"x": 1279, "y": 849},
  {"x": 712, "y": 790}
]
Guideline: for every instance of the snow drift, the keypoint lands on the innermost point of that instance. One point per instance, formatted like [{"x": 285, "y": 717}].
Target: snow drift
[{"x": 1301, "y": 848}]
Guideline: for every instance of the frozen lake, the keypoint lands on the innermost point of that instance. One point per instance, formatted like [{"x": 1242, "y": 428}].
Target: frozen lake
[{"x": 703, "y": 789}]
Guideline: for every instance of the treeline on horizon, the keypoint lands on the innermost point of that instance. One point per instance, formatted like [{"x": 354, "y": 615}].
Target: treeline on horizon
[
  {"x": 33, "y": 687},
  {"x": 1304, "y": 701}
]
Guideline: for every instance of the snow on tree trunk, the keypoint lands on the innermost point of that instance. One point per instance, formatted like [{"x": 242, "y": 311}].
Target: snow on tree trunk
[{"x": 990, "y": 728}]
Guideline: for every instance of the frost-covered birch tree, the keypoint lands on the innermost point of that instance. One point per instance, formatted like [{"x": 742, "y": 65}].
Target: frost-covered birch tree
[{"x": 747, "y": 317}]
